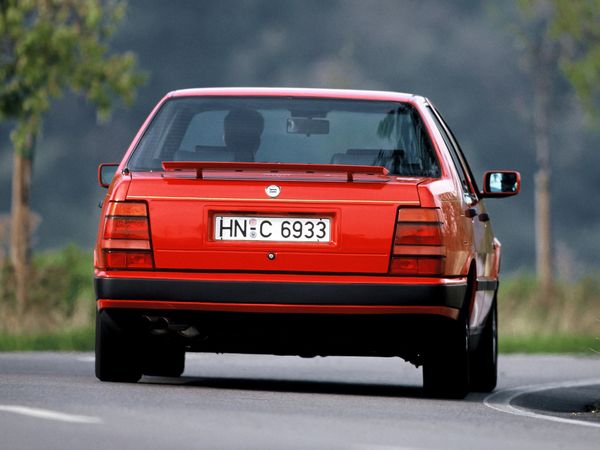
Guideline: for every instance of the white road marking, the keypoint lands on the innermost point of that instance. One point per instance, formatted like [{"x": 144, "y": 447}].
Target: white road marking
[
  {"x": 48, "y": 414},
  {"x": 86, "y": 359},
  {"x": 501, "y": 401},
  {"x": 381, "y": 447}
]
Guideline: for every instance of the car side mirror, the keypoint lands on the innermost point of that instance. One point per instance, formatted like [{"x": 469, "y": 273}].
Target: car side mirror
[
  {"x": 501, "y": 183},
  {"x": 106, "y": 173}
]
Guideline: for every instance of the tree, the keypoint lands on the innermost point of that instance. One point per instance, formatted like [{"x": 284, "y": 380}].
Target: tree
[
  {"x": 560, "y": 40},
  {"x": 46, "y": 48},
  {"x": 576, "y": 26}
]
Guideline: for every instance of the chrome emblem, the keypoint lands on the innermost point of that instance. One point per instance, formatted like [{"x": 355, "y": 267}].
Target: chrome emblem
[{"x": 273, "y": 190}]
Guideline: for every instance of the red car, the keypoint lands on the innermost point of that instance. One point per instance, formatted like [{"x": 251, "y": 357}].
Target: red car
[{"x": 298, "y": 222}]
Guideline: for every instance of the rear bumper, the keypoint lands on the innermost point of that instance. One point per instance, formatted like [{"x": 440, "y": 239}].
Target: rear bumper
[
  {"x": 287, "y": 314},
  {"x": 444, "y": 297}
]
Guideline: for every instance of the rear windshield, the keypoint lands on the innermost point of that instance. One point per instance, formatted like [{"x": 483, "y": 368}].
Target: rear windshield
[{"x": 288, "y": 130}]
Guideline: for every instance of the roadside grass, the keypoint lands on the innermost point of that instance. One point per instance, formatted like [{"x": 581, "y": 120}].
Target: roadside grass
[
  {"x": 61, "y": 294},
  {"x": 585, "y": 345},
  {"x": 567, "y": 321},
  {"x": 61, "y": 340},
  {"x": 572, "y": 308},
  {"x": 60, "y": 313}
]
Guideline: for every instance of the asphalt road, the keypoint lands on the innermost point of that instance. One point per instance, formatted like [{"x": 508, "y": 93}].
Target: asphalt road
[{"x": 53, "y": 401}]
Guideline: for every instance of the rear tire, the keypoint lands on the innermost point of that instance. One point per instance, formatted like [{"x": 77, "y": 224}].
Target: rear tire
[
  {"x": 484, "y": 360},
  {"x": 117, "y": 352},
  {"x": 446, "y": 362}
]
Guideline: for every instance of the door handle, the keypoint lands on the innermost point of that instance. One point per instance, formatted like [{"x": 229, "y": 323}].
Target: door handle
[
  {"x": 470, "y": 213},
  {"x": 484, "y": 217}
]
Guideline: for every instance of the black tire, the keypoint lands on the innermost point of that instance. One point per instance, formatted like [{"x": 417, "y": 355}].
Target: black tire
[
  {"x": 446, "y": 362},
  {"x": 117, "y": 352},
  {"x": 163, "y": 359},
  {"x": 484, "y": 359}
]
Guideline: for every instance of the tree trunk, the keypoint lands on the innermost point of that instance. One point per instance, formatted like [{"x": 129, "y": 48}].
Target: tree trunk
[
  {"x": 20, "y": 226},
  {"x": 543, "y": 237},
  {"x": 542, "y": 232}
]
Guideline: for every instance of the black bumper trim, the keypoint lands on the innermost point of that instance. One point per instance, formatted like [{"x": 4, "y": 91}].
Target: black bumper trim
[{"x": 281, "y": 293}]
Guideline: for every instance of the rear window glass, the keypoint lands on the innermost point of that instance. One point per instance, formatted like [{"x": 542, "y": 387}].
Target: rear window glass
[{"x": 288, "y": 130}]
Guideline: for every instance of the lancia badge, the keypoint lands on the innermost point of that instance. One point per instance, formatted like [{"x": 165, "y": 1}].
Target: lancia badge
[{"x": 273, "y": 191}]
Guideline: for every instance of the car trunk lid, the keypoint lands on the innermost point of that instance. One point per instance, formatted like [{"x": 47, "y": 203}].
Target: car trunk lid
[{"x": 208, "y": 216}]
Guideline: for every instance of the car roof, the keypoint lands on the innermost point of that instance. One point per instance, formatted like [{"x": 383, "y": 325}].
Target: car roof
[{"x": 298, "y": 92}]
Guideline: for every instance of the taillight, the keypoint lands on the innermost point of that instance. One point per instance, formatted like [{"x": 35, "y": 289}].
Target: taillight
[
  {"x": 418, "y": 234},
  {"x": 418, "y": 243},
  {"x": 126, "y": 239}
]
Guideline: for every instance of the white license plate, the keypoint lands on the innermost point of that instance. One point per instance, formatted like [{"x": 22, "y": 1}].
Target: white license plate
[{"x": 281, "y": 229}]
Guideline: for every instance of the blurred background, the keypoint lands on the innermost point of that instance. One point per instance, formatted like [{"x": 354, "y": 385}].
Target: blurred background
[
  {"x": 462, "y": 55},
  {"x": 466, "y": 57}
]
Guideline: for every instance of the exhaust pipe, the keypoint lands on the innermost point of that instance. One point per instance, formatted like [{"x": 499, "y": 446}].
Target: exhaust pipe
[
  {"x": 150, "y": 322},
  {"x": 160, "y": 323},
  {"x": 168, "y": 324}
]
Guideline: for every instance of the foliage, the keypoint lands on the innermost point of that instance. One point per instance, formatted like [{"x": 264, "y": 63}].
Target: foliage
[
  {"x": 576, "y": 27},
  {"x": 80, "y": 339},
  {"x": 585, "y": 345},
  {"x": 48, "y": 46},
  {"x": 61, "y": 296},
  {"x": 564, "y": 34},
  {"x": 572, "y": 309}
]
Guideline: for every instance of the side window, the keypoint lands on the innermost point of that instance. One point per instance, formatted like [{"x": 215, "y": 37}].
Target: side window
[
  {"x": 458, "y": 150},
  {"x": 463, "y": 172}
]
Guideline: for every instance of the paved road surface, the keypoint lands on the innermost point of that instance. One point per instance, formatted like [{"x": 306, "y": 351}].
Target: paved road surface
[{"x": 53, "y": 401}]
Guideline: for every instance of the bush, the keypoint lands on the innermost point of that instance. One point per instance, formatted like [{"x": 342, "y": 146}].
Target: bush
[
  {"x": 61, "y": 294},
  {"x": 573, "y": 308},
  {"x": 80, "y": 339}
]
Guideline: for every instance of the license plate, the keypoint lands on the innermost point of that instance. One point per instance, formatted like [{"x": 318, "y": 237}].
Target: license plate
[{"x": 280, "y": 229}]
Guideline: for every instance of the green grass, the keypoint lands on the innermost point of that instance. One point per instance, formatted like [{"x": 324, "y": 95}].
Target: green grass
[
  {"x": 72, "y": 340},
  {"x": 61, "y": 295},
  {"x": 550, "y": 344}
]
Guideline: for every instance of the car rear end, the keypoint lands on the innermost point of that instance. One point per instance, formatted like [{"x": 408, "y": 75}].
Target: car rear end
[{"x": 329, "y": 237}]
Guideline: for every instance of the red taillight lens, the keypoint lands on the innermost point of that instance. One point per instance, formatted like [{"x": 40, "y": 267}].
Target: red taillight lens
[
  {"x": 418, "y": 234},
  {"x": 127, "y": 209},
  {"x": 128, "y": 260},
  {"x": 418, "y": 243},
  {"x": 126, "y": 228},
  {"x": 126, "y": 240},
  {"x": 420, "y": 265},
  {"x": 430, "y": 215}
]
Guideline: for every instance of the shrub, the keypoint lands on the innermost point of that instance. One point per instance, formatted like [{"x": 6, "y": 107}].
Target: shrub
[
  {"x": 61, "y": 294},
  {"x": 573, "y": 308}
]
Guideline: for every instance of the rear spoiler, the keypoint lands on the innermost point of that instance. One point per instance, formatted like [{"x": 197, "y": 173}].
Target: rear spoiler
[{"x": 201, "y": 166}]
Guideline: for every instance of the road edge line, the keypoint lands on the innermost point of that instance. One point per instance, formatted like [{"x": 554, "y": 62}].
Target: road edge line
[
  {"x": 501, "y": 401},
  {"x": 48, "y": 414}
]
